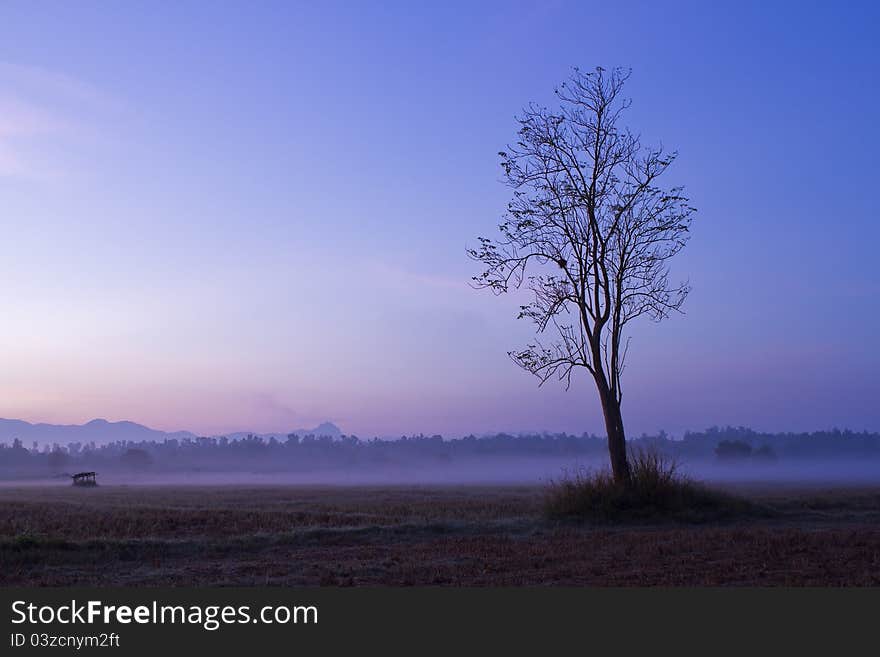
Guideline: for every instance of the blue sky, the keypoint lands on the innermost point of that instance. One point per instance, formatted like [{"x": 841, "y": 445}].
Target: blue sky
[{"x": 255, "y": 215}]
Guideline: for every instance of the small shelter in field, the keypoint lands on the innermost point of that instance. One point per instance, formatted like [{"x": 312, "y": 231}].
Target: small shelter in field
[{"x": 84, "y": 479}]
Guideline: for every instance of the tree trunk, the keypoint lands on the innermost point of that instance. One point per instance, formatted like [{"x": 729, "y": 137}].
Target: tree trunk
[{"x": 616, "y": 436}]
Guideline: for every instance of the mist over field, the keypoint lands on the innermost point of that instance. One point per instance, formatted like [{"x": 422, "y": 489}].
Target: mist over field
[
  {"x": 489, "y": 472},
  {"x": 131, "y": 454}
]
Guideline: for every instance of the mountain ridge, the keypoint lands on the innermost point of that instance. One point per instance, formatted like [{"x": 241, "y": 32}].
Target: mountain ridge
[{"x": 100, "y": 431}]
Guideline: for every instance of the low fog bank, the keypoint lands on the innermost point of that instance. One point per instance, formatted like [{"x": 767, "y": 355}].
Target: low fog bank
[
  {"x": 833, "y": 473},
  {"x": 487, "y": 471},
  {"x": 731, "y": 455}
]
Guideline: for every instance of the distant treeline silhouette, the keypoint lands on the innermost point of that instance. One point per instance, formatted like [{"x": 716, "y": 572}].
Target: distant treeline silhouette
[{"x": 316, "y": 453}]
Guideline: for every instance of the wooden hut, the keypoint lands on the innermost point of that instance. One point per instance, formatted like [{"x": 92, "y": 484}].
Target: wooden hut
[{"x": 84, "y": 479}]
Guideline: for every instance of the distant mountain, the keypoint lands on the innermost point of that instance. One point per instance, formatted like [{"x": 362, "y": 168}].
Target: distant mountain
[{"x": 101, "y": 431}]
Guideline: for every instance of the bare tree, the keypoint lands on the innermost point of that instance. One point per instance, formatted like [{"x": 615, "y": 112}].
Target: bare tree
[{"x": 589, "y": 232}]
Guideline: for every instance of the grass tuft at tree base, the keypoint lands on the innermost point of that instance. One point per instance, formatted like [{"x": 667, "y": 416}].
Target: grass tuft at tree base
[{"x": 657, "y": 492}]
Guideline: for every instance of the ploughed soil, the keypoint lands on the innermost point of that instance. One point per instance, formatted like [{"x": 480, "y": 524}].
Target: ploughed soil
[{"x": 56, "y": 535}]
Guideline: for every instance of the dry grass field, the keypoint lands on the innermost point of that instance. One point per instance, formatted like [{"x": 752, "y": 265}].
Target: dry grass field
[{"x": 460, "y": 536}]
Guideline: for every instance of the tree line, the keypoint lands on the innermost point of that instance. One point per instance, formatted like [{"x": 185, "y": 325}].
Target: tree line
[{"x": 312, "y": 453}]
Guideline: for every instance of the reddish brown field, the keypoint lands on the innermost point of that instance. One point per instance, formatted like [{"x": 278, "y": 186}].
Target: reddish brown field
[{"x": 472, "y": 536}]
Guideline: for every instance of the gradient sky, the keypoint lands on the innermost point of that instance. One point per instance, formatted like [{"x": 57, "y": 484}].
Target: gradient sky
[{"x": 253, "y": 216}]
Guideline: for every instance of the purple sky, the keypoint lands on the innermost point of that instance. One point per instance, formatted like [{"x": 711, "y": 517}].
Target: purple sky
[{"x": 256, "y": 218}]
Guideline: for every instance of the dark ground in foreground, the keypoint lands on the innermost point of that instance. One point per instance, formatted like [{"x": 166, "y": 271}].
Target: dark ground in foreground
[{"x": 471, "y": 536}]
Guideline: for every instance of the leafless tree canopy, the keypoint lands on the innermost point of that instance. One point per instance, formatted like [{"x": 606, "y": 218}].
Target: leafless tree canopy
[{"x": 588, "y": 230}]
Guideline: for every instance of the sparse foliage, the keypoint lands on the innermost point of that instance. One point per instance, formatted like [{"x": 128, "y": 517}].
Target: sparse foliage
[{"x": 590, "y": 232}]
